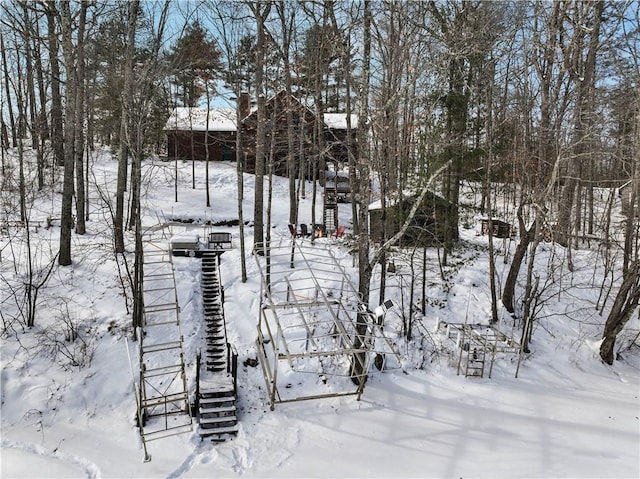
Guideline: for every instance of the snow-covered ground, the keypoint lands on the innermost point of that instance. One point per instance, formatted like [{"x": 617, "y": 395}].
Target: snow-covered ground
[{"x": 565, "y": 415}]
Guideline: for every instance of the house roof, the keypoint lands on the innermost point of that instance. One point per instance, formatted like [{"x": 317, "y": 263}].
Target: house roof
[
  {"x": 224, "y": 119},
  {"x": 195, "y": 119},
  {"x": 338, "y": 121}
]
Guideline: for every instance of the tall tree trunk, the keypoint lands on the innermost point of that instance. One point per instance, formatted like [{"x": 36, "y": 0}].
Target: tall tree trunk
[
  {"x": 66, "y": 215},
  {"x": 79, "y": 71},
  {"x": 358, "y": 364},
  {"x": 57, "y": 140},
  {"x": 42, "y": 126},
  {"x": 240, "y": 161},
  {"x": 123, "y": 155},
  {"x": 526, "y": 237},
  {"x": 30, "y": 81},
  {"x": 9, "y": 105},
  {"x": 260, "y": 12},
  {"x": 287, "y": 26}
]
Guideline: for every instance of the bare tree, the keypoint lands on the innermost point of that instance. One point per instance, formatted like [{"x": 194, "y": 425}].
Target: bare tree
[
  {"x": 579, "y": 57},
  {"x": 126, "y": 100},
  {"x": 624, "y": 306},
  {"x": 70, "y": 57},
  {"x": 261, "y": 13}
]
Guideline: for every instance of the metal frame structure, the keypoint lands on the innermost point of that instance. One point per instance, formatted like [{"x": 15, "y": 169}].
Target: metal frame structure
[
  {"x": 475, "y": 342},
  {"x": 311, "y": 321},
  {"x": 163, "y": 407}
]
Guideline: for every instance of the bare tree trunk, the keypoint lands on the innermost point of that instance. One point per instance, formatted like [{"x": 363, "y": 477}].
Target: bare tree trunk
[
  {"x": 9, "y": 105},
  {"x": 358, "y": 364},
  {"x": 56, "y": 97},
  {"x": 624, "y": 305},
  {"x": 526, "y": 237},
  {"x": 260, "y": 12},
  {"x": 287, "y": 26},
  {"x": 79, "y": 122},
  {"x": 42, "y": 123},
  {"x": 66, "y": 215},
  {"x": 123, "y": 155}
]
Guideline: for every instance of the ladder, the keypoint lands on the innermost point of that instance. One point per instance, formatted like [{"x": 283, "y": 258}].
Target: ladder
[{"x": 330, "y": 213}]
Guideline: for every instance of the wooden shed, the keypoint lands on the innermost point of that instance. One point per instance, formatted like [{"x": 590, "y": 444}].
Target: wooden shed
[
  {"x": 427, "y": 226},
  {"x": 500, "y": 229}
]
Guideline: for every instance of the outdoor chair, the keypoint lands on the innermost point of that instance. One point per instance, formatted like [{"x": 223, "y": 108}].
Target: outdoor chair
[
  {"x": 293, "y": 231},
  {"x": 339, "y": 232},
  {"x": 304, "y": 230}
]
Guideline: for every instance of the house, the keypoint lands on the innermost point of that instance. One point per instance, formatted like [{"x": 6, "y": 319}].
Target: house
[
  {"x": 426, "y": 228},
  {"x": 189, "y": 136},
  {"x": 277, "y": 109}
]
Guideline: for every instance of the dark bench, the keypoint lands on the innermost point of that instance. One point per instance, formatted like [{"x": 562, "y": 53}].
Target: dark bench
[{"x": 219, "y": 241}]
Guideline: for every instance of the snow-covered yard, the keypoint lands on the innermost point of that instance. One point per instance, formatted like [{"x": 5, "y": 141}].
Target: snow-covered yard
[{"x": 566, "y": 414}]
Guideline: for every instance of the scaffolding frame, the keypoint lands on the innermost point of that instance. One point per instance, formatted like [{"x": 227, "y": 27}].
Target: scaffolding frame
[
  {"x": 475, "y": 342},
  {"x": 163, "y": 408},
  {"x": 308, "y": 317}
]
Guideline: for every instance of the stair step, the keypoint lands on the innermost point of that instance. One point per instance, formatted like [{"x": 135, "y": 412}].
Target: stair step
[
  {"x": 216, "y": 351},
  {"x": 218, "y": 409},
  {"x": 216, "y": 348},
  {"x": 217, "y": 420},
  {"x": 214, "y": 321},
  {"x": 215, "y": 336},
  {"x": 218, "y": 392},
  {"x": 212, "y": 417},
  {"x": 216, "y": 397},
  {"x": 216, "y": 356},
  {"x": 219, "y": 364},
  {"x": 219, "y": 431},
  {"x": 216, "y": 365}
]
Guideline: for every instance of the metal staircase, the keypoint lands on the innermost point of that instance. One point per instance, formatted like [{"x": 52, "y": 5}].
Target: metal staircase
[
  {"x": 330, "y": 208},
  {"x": 216, "y": 395}
]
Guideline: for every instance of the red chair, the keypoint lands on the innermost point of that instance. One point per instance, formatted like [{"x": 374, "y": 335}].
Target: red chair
[
  {"x": 339, "y": 232},
  {"x": 292, "y": 230}
]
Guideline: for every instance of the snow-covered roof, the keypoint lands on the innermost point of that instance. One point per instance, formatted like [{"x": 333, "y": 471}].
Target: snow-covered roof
[
  {"x": 224, "y": 119},
  {"x": 186, "y": 118},
  {"x": 392, "y": 200},
  {"x": 338, "y": 121}
]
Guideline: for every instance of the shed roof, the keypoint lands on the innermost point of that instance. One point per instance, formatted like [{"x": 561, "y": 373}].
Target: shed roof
[{"x": 395, "y": 199}]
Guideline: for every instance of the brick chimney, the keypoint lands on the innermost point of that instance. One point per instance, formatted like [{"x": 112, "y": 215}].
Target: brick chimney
[{"x": 245, "y": 105}]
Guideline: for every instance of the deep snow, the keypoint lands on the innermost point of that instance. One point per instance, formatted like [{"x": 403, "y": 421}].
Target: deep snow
[{"x": 566, "y": 415}]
